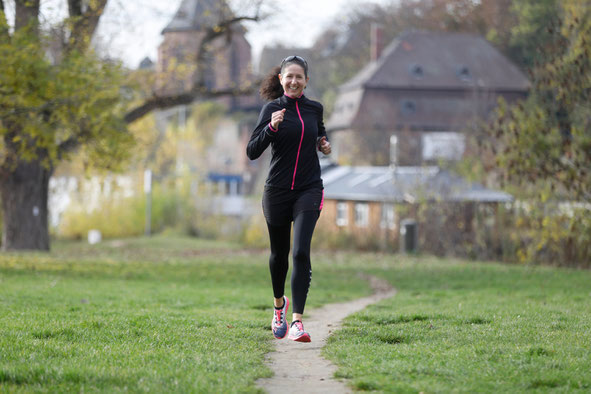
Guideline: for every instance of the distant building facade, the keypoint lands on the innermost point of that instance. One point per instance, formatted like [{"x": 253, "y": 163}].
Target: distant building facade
[{"x": 411, "y": 104}]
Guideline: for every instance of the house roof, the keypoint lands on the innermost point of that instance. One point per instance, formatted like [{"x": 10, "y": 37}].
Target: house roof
[
  {"x": 427, "y": 81},
  {"x": 421, "y": 59},
  {"x": 194, "y": 15},
  {"x": 403, "y": 184}
]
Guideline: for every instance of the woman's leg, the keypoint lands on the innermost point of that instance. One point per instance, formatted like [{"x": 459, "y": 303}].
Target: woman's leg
[
  {"x": 279, "y": 237},
  {"x": 303, "y": 228}
]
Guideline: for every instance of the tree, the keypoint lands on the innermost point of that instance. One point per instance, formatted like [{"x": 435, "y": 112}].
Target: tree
[
  {"x": 542, "y": 147},
  {"x": 547, "y": 139},
  {"x": 51, "y": 106}
]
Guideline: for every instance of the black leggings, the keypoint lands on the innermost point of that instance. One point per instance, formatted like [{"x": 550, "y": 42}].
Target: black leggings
[{"x": 301, "y": 276}]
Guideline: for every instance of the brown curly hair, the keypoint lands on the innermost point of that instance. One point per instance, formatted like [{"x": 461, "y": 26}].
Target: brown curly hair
[{"x": 271, "y": 85}]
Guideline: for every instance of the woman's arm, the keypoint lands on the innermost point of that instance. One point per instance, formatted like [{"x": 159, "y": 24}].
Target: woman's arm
[
  {"x": 322, "y": 141},
  {"x": 262, "y": 135}
]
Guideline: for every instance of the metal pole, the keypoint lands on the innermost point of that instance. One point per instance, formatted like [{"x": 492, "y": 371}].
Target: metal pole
[{"x": 148, "y": 192}]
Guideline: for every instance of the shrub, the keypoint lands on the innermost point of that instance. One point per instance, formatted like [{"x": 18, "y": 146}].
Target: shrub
[{"x": 124, "y": 217}]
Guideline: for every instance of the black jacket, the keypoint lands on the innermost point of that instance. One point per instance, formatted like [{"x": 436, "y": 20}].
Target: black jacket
[{"x": 294, "y": 161}]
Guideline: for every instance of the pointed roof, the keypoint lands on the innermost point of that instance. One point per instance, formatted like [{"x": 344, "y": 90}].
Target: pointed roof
[
  {"x": 194, "y": 15},
  {"x": 422, "y": 59}
]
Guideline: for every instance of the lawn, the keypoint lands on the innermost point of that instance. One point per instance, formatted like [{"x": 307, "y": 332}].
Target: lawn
[
  {"x": 159, "y": 314},
  {"x": 187, "y": 315},
  {"x": 467, "y": 327}
]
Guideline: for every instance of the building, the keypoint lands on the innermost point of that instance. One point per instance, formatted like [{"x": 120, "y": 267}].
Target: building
[
  {"x": 228, "y": 57},
  {"x": 410, "y": 208},
  {"x": 411, "y": 105}
]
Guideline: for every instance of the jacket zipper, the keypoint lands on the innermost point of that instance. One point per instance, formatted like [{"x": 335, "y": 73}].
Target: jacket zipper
[{"x": 299, "y": 148}]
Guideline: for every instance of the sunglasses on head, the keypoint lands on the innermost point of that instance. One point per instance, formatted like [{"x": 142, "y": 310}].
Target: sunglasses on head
[{"x": 296, "y": 58}]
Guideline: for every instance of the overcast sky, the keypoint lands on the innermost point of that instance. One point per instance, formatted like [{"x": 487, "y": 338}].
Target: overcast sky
[
  {"x": 131, "y": 29},
  {"x": 293, "y": 22}
]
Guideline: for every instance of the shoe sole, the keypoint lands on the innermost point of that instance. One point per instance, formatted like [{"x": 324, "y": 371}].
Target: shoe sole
[{"x": 303, "y": 338}]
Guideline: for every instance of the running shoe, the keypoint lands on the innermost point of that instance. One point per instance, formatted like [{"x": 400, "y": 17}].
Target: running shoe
[
  {"x": 279, "y": 323},
  {"x": 297, "y": 332}
]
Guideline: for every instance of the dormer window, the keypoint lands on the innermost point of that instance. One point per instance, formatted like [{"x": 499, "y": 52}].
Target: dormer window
[
  {"x": 416, "y": 70},
  {"x": 464, "y": 73},
  {"x": 408, "y": 107}
]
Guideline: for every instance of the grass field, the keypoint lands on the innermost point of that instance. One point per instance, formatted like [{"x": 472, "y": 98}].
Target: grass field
[
  {"x": 161, "y": 315},
  {"x": 467, "y": 327},
  {"x": 186, "y": 315}
]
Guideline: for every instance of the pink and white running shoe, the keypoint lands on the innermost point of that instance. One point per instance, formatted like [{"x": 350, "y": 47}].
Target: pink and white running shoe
[
  {"x": 297, "y": 332},
  {"x": 279, "y": 322}
]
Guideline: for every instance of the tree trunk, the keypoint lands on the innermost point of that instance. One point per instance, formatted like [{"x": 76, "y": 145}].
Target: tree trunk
[{"x": 24, "y": 192}]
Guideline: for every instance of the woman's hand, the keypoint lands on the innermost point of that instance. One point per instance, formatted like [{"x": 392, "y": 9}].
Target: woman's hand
[
  {"x": 324, "y": 146},
  {"x": 276, "y": 118}
]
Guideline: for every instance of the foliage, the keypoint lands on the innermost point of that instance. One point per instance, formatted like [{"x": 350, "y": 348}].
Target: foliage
[
  {"x": 125, "y": 217},
  {"x": 176, "y": 149},
  {"x": 468, "y": 327},
  {"x": 48, "y": 109},
  {"x": 547, "y": 139},
  {"x": 255, "y": 233},
  {"x": 551, "y": 233},
  {"x": 539, "y": 149}
]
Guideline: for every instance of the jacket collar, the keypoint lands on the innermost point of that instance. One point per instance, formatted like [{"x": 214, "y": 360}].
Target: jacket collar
[{"x": 287, "y": 100}]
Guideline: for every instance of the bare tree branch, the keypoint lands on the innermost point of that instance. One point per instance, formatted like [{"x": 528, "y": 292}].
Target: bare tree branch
[
  {"x": 198, "y": 90},
  {"x": 169, "y": 101},
  {"x": 223, "y": 27}
]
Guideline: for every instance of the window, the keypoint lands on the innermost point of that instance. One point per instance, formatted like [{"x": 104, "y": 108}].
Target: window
[
  {"x": 416, "y": 70},
  {"x": 408, "y": 107},
  {"x": 463, "y": 72},
  {"x": 388, "y": 217},
  {"x": 342, "y": 214},
  {"x": 361, "y": 214},
  {"x": 443, "y": 145}
]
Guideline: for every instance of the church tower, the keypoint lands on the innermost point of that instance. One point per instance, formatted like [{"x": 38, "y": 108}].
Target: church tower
[{"x": 228, "y": 60}]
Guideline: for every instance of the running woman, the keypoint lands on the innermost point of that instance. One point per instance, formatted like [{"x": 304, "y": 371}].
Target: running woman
[{"x": 293, "y": 125}]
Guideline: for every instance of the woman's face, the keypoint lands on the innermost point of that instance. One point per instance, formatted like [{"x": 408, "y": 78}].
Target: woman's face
[{"x": 293, "y": 79}]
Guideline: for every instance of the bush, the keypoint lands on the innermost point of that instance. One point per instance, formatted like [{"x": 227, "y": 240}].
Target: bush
[
  {"x": 551, "y": 234},
  {"x": 255, "y": 233},
  {"x": 125, "y": 217}
]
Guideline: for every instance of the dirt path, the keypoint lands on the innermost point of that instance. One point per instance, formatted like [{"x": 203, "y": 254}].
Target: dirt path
[{"x": 299, "y": 366}]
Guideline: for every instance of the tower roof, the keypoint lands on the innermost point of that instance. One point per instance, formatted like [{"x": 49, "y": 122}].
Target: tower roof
[{"x": 194, "y": 15}]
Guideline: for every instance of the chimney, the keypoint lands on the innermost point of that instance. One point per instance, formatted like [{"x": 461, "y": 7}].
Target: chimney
[{"x": 376, "y": 41}]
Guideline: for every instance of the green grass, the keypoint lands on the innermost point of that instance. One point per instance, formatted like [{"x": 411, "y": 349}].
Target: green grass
[
  {"x": 186, "y": 315},
  {"x": 469, "y": 327},
  {"x": 158, "y": 314}
]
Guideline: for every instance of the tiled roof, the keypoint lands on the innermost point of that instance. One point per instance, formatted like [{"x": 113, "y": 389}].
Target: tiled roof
[
  {"x": 440, "y": 60},
  {"x": 403, "y": 184}
]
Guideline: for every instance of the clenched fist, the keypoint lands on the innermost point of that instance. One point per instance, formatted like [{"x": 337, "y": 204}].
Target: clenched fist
[
  {"x": 277, "y": 117},
  {"x": 324, "y": 146}
]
